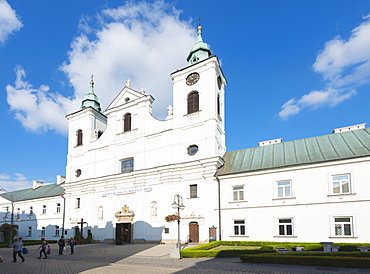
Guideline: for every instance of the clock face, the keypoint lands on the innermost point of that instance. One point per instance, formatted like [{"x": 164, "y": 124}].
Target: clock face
[
  {"x": 192, "y": 78},
  {"x": 219, "y": 82}
]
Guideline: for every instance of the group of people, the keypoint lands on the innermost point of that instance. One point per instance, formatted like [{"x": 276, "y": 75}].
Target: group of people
[{"x": 45, "y": 248}]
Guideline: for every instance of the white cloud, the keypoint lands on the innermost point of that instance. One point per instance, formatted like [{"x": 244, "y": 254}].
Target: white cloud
[
  {"x": 16, "y": 182},
  {"x": 344, "y": 65},
  {"x": 141, "y": 41},
  {"x": 37, "y": 108},
  {"x": 9, "y": 22},
  {"x": 315, "y": 99}
]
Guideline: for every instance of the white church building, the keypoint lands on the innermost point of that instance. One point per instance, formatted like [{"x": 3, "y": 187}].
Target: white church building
[{"x": 124, "y": 168}]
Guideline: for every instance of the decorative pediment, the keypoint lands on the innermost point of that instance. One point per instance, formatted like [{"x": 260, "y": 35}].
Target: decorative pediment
[
  {"x": 125, "y": 96},
  {"x": 125, "y": 215}
]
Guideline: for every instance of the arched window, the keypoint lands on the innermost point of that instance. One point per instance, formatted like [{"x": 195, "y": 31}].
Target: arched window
[
  {"x": 79, "y": 137},
  {"x": 100, "y": 213},
  {"x": 193, "y": 102},
  {"x": 127, "y": 122}
]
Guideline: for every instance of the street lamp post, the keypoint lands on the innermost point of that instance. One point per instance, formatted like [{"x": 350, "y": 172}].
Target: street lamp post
[
  {"x": 11, "y": 225},
  {"x": 177, "y": 204}
]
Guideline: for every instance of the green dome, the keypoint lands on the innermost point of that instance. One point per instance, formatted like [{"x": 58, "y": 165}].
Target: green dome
[
  {"x": 91, "y": 100},
  {"x": 199, "y": 51}
]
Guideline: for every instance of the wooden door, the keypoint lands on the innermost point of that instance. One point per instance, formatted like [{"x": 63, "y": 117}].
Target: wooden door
[
  {"x": 123, "y": 233},
  {"x": 193, "y": 232}
]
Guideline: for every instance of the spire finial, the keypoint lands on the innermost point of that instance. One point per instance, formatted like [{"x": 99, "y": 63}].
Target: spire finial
[
  {"x": 198, "y": 20},
  {"x": 92, "y": 80}
]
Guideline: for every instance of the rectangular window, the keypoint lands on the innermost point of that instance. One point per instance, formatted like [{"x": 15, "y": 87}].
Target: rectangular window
[
  {"x": 78, "y": 202},
  {"x": 43, "y": 231},
  {"x": 58, "y": 207},
  {"x": 31, "y": 210},
  {"x": 341, "y": 184},
  {"x": 29, "y": 232},
  {"x": 238, "y": 193},
  {"x": 193, "y": 191},
  {"x": 343, "y": 226},
  {"x": 239, "y": 227},
  {"x": 284, "y": 189},
  {"x": 166, "y": 230},
  {"x": 127, "y": 165},
  {"x": 57, "y": 230},
  {"x": 44, "y": 209},
  {"x": 285, "y": 227}
]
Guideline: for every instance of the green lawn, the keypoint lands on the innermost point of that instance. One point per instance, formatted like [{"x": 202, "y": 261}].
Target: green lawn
[{"x": 225, "y": 247}]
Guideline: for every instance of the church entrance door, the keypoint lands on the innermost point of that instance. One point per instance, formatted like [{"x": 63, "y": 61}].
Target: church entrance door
[
  {"x": 123, "y": 233},
  {"x": 193, "y": 232}
]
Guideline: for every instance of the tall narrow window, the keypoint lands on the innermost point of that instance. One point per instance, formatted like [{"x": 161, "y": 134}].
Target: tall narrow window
[
  {"x": 218, "y": 105},
  {"x": 239, "y": 227},
  {"x": 127, "y": 122},
  {"x": 285, "y": 227},
  {"x": 57, "y": 230},
  {"x": 238, "y": 193},
  {"x": 193, "y": 102},
  {"x": 79, "y": 137},
  {"x": 127, "y": 165},
  {"x": 58, "y": 207},
  {"x": 44, "y": 209},
  {"x": 29, "y": 232},
  {"x": 193, "y": 191},
  {"x": 31, "y": 210},
  {"x": 78, "y": 202},
  {"x": 42, "y": 231}
]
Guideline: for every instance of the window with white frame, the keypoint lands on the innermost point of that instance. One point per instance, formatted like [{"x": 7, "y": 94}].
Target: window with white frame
[
  {"x": 58, "y": 207},
  {"x": 343, "y": 226},
  {"x": 31, "y": 210},
  {"x": 341, "y": 184},
  {"x": 42, "y": 231},
  {"x": 44, "y": 209},
  {"x": 29, "y": 231},
  {"x": 193, "y": 191},
  {"x": 127, "y": 165},
  {"x": 239, "y": 227},
  {"x": 285, "y": 227},
  {"x": 238, "y": 193},
  {"x": 57, "y": 230},
  {"x": 284, "y": 189}
]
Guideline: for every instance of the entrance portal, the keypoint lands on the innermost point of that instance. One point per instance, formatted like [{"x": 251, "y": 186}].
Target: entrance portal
[
  {"x": 193, "y": 232},
  {"x": 123, "y": 233}
]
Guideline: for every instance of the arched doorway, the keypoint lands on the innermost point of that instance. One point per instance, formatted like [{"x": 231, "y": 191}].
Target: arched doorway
[{"x": 193, "y": 232}]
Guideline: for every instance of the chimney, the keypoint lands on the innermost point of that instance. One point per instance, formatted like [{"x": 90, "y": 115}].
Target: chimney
[
  {"x": 61, "y": 179},
  {"x": 36, "y": 184},
  {"x": 270, "y": 142}
]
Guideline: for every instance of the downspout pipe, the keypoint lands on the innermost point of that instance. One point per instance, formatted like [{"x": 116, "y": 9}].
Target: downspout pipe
[
  {"x": 219, "y": 200},
  {"x": 64, "y": 213}
]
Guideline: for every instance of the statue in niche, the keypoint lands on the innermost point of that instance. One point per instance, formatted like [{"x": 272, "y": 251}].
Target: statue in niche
[{"x": 153, "y": 209}]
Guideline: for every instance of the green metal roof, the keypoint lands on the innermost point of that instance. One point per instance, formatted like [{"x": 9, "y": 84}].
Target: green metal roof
[
  {"x": 332, "y": 147},
  {"x": 44, "y": 191},
  {"x": 199, "y": 51}
]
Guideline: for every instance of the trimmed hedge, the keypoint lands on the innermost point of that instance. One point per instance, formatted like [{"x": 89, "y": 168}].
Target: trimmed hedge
[
  {"x": 309, "y": 260},
  {"x": 187, "y": 253}
]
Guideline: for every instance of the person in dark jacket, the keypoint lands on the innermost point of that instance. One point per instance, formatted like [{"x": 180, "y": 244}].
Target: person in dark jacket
[
  {"x": 43, "y": 248},
  {"x": 62, "y": 244}
]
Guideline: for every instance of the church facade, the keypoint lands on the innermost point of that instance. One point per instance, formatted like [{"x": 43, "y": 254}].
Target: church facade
[{"x": 125, "y": 169}]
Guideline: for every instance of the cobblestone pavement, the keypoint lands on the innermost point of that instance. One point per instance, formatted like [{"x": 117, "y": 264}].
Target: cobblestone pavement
[{"x": 141, "y": 258}]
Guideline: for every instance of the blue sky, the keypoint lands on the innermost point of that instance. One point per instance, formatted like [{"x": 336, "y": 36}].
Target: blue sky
[{"x": 295, "y": 69}]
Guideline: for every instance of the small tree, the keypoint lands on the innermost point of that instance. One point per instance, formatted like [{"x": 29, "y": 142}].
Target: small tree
[
  {"x": 10, "y": 231},
  {"x": 89, "y": 237},
  {"x": 78, "y": 235}
]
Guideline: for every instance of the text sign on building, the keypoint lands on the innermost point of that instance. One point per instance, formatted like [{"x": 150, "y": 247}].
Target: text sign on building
[{"x": 128, "y": 191}]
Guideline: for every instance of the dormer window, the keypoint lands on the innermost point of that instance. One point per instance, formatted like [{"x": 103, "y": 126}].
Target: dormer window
[
  {"x": 127, "y": 122},
  {"x": 79, "y": 137},
  {"x": 193, "y": 102}
]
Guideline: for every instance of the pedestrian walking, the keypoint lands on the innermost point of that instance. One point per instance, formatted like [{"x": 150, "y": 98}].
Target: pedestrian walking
[
  {"x": 72, "y": 244},
  {"x": 62, "y": 244},
  {"x": 43, "y": 248},
  {"x": 48, "y": 251},
  {"x": 17, "y": 249}
]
